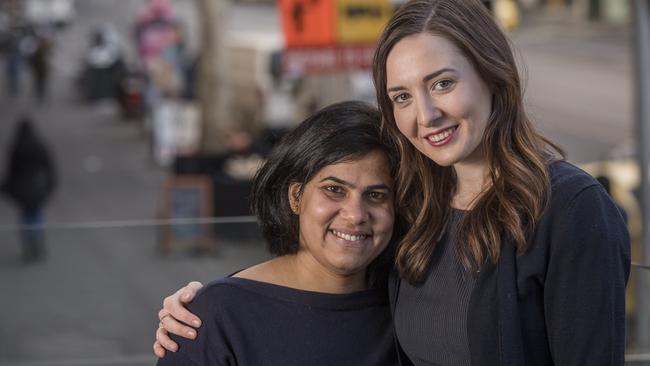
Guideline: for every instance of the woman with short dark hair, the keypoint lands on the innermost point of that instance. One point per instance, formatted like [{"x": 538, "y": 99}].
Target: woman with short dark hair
[{"x": 324, "y": 200}]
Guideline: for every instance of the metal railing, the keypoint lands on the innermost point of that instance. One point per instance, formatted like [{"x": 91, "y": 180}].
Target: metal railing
[{"x": 65, "y": 238}]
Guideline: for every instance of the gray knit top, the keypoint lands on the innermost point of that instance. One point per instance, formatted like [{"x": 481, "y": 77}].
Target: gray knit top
[{"x": 431, "y": 318}]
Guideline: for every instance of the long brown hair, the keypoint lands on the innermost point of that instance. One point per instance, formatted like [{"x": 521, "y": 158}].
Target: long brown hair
[{"x": 517, "y": 155}]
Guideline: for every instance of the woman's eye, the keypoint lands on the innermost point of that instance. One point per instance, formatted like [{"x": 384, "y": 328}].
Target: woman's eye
[
  {"x": 443, "y": 85},
  {"x": 400, "y": 98},
  {"x": 377, "y": 196},
  {"x": 333, "y": 189}
]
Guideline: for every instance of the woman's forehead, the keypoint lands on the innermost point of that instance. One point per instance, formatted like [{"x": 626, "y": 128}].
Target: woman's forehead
[
  {"x": 421, "y": 54},
  {"x": 373, "y": 165}
]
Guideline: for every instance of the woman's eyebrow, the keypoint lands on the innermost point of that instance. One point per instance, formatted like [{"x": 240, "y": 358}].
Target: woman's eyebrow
[
  {"x": 435, "y": 74},
  {"x": 337, "y": 180},
  {"x": 379, "y": 186},
  {"x": 426, "y": 78},
  {"x": 348, "y": 184}
]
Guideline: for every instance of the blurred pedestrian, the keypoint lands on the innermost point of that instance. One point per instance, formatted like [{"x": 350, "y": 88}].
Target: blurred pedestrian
[
  {"x": 29, "y": 181},
  {"x": 14, "y": 63},
  {"x": 40, "y": 65},
  {"x": 159, "y": 39}
]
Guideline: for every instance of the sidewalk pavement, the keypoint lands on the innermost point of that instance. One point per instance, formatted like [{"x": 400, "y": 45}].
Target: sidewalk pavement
[
  {"x": 578, "y": 79},
  {"x": 94, "y": 300}
]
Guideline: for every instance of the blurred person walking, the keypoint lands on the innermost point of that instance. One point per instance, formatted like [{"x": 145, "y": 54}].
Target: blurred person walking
[
  {"x": 40, "y": 64},
  {"x": 13, "y": 63},
  {"x": 160, "y": 43},
  {"x": 29, "y": 181}
]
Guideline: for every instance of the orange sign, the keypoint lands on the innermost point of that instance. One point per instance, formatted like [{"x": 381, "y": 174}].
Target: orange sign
[{"x": 308, "y": 23}]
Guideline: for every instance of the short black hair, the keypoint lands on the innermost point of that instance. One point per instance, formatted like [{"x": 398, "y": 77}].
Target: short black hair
[{"x": 340, "y": 132}]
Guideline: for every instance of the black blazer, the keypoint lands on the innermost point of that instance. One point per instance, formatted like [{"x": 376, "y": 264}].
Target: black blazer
[{"x": 562, "y": 302}]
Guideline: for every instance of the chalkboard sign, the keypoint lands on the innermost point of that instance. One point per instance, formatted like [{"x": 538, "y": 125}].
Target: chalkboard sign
[{"x": 186, "y": 198}]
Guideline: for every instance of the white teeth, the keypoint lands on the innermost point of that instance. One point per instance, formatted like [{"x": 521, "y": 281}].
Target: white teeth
[
  {"x": 442, "y": 135},
  {"x": 349, "y": 237}
]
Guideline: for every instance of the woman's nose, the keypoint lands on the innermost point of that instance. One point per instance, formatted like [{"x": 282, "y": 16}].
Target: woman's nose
[
  {"x": 428, "y": 111},
  {"x": 355, "y": 211}
]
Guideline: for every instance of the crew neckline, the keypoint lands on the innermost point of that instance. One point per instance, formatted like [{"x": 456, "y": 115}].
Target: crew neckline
[{"x": 353, "y": 300}]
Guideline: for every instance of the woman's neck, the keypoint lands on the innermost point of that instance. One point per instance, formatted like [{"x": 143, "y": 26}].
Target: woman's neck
[
  {"x": 308, "y": 274},
  {"x": 471, "y": 181},
  {"x": 303, "y": 272}
]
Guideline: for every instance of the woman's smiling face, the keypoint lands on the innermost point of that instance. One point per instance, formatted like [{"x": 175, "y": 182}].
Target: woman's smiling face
[
  {"x": 440, "y": 103},
  {"x": 346, "y": 214}
]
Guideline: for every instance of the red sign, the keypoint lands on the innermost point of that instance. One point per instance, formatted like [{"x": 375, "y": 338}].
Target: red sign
[
  {"x": 308, "y": 23},
  {"x": 327, "y": 59}
]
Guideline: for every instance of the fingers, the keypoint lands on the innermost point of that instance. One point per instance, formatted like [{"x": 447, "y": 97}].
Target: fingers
[
  {"x": 189, "y": 291},
  {"x": 162, "y": 313},
  {"x": 163, "y": 343},
  {"x": 174, "y": 317},
  {"x": 177, "y": 316},
  {"x": 158, "y": 350},
  {"x": 174, "y": 308},
  {"x": 171, "y": 325}
]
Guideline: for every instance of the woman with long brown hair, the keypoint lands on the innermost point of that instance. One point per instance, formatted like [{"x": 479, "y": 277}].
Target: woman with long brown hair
[{"x": 513, "y": 256}]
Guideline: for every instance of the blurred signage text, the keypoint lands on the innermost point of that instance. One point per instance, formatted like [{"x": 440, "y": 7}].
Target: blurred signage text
[
  {"x": 327, "y": 59},
  {"x": 361, "y": 21}
]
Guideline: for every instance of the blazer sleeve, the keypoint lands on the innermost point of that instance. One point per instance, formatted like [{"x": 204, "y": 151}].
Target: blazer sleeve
[{"x": 584, "y": 288}]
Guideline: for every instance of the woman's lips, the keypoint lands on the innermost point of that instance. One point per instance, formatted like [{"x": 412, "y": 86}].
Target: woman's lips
[
  {"x": 441, "y": 137},
  {"x": 356, "y": 240},
  {"x": 348, "y": 236}
]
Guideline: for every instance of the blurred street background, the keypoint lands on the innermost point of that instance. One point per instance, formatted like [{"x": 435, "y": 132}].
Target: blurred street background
[{"x": 155, "y": 110}]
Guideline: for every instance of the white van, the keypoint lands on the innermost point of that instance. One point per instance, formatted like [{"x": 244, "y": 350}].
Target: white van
[{"x": 58, "y": 12}]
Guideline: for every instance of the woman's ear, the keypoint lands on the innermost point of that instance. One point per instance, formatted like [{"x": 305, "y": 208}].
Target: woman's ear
[{"x": 294, "y": 197}]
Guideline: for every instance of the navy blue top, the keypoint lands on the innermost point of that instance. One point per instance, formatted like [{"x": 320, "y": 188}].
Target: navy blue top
[{"x": 254, "y": 323}]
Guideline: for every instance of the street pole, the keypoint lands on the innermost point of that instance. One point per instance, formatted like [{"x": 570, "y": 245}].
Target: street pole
[
  {"x": 212, "y": 81},
  {"x": 642, "y": 47}
]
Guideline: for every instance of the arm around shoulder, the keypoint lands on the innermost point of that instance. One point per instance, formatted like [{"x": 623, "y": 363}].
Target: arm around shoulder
[{"x": 210, "y": 347}]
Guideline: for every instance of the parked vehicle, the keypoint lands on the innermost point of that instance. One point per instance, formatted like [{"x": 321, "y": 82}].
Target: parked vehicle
[
  {"x": 57, "y": 12},
  {"x": 103, "y": 65}
]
